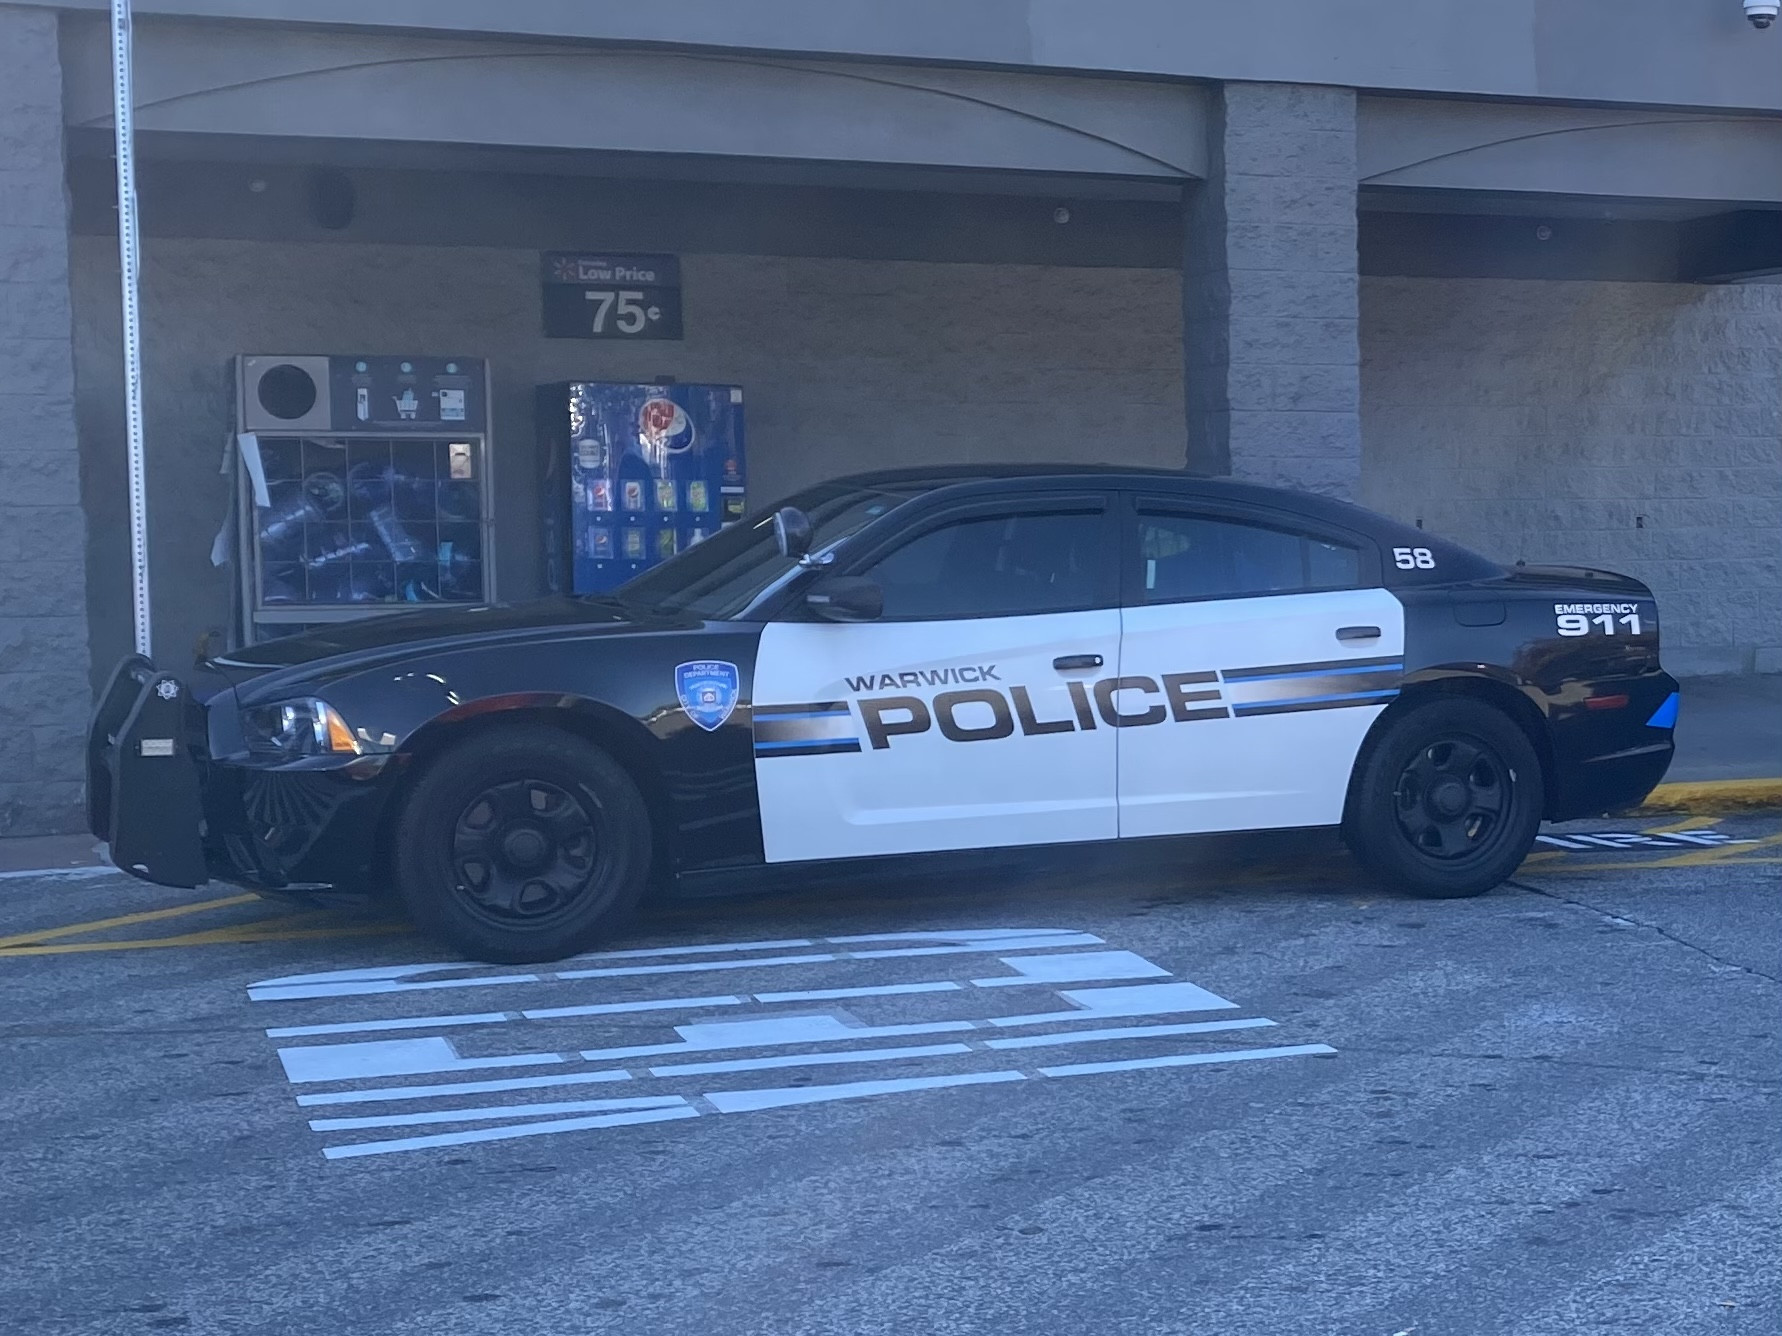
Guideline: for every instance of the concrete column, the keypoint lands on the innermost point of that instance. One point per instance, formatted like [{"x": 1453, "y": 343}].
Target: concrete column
[
  {"x": 1270, "y": 293},
  {"x": 44, "y": 691}
]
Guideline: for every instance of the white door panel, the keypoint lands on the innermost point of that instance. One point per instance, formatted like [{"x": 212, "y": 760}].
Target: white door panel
[
  {"x": 905, "y": 737},
  {"x": 1273, "y": 732}
]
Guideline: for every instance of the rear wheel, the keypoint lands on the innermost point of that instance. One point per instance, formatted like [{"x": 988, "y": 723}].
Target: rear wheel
[
  {"x": 1447, "y": 801},
  {"x": 522, "y": 845}
]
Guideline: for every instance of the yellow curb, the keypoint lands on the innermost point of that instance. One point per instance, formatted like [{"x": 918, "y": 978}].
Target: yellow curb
[{"x": 1715, "y": 796}]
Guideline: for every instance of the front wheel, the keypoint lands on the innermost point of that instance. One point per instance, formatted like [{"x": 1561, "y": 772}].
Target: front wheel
[
  {"x": 1447, "y": 801},
  {"x": 521, "y": 845}
]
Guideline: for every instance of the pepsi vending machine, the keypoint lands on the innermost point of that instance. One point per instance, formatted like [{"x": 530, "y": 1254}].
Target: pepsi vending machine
[{"x": 634, "y": 474}]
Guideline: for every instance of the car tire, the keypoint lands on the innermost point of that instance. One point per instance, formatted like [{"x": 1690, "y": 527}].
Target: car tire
[
  {"x": 1447, "y": 801},
  {"x": 523, "y": 844}
]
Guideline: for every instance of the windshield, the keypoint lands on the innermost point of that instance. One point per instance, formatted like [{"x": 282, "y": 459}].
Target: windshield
[{"x": 728, "y": 573}]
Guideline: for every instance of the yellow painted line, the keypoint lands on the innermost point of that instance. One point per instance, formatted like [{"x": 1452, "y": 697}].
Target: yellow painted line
[
  {"x": 1718, "y": 854},
  {"x": 1716, "y": 795},
  {"x": 261, "y": 930},
  {"x": 1724, "y": 855},
  {"x": 314, "y": 934},
  {"x": 123, "y": 920},
  {"x": 1687, "y": 823}
]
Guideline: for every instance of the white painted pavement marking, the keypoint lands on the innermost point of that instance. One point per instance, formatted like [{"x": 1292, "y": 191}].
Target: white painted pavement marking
[
  {"x": 749, "y": 1101},
  {"x": 821, "y": 1037},
  {"x": 498, "y": 1017},
  {"x": 392, "y": 1057},
  {"x": 400, "y": 1023},
  {"x": 1092, "y": 965},
  {"x": 891, "y": 953},
  {"x": 989, "y": 939},
  {"x": 743, "y": 1101},
  {"x": 615, "y": 1008},
  {"x": 1630, "y": 839},
  {"x": 383, "y": 1058},
  {"x": 374, "y": 980},
  {"x": 841, "y": 1034},
  {"x": 929, "y": 1050},
  {"x": 1076, "y": 967},
  {"x": 389, "y": 1093},
  {"x": 508, "y": 1132},
  {"x": 818, "y": 1028},
  {"x": 278, "y": 991},
  {"x": 873, "y": 990},
  {"x": 810, "y": 1059},
  {"x": 1125, "y": 1032},
  {"x": 494, "y": 1111},
  {"x": 812, "y": 958},
  {"x": 1186, "y": 1060},
  {"x": 1145, "y": 999},
  {"x": 696, "y": 966},
  {"x": 75, "y": 873},
  {"x": 703, "y": 949}
]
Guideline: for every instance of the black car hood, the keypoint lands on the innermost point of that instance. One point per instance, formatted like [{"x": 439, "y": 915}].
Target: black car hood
[{"x": 359, "y": 643}]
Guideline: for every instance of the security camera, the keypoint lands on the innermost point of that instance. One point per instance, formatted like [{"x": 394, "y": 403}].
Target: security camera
[{"x": 1762, "y": 13}]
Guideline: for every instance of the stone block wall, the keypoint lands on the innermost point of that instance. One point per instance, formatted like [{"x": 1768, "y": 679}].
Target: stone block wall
[
  {"x": 1269, "y": 295},
  {"x": 1633, "y": 426},
  {"x": 848, "y": 365},
  {"x": 43, "y": 595}
]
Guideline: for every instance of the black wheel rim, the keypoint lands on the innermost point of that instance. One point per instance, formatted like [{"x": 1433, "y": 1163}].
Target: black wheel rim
[
  {"x": 1453, "y": 798},
  {"x": 527, "y": 851}
]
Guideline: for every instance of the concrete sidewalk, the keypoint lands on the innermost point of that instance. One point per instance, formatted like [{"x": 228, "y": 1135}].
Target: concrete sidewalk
[
  {"x": 1729, "y": 746},
  {"x": 36, "y": 853},
  {"x": 1729, "y": 756},
  {"x": 1729, "y": 728}
]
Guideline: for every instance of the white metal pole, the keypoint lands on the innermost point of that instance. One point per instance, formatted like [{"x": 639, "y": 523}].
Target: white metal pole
[{"x": 129, "y": 247}]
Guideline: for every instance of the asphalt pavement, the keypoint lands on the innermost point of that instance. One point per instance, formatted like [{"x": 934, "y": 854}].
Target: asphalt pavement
[{"x": 1105, "y": 1097}]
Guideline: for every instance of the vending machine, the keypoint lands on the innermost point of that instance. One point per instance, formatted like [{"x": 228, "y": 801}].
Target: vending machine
[
  {"x": 633, "y": 474},
  {"x": 363, "y": 488}
]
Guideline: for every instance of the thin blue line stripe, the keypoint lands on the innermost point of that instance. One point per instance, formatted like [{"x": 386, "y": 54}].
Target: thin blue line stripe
[
  {"x": 805, "y": 742},
  {"x": 766, "y": 714},
  {"x": 1313, "y": 700},
  {"x": 1397, "y": 667}
]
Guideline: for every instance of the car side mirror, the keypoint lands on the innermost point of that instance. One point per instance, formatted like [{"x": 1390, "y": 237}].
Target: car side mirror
[
  {"x": 846, "y": 598},
  {"x": 792, "y": 532}
]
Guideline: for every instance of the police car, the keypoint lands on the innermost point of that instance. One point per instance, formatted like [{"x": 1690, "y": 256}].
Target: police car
[{"x": 904, "y": 663}]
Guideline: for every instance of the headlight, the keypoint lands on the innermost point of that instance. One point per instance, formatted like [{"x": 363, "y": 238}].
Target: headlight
[{"x": 296, "y": 728}]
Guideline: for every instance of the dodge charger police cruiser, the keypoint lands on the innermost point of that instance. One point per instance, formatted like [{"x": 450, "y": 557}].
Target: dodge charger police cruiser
[{"x": 904, "y": 663}]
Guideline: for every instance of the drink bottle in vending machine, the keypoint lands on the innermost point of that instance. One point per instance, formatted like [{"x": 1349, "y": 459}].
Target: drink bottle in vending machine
[{"x": 635, "y": 473}]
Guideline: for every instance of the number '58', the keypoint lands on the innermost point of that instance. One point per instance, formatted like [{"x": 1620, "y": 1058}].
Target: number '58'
[{"x": 1413, "y": 558}]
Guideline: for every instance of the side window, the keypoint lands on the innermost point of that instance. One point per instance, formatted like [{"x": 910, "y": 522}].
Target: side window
[
  {"x": 998, "y": 566},
  {"x": 1197, "y": 556}
]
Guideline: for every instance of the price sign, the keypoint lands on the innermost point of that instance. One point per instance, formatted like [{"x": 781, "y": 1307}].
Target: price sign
[{"x": 611, "y": 296}]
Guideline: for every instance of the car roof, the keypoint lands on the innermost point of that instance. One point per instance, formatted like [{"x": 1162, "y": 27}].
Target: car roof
[
  {"x": 981, "y": 479},
  {"x": 1124, "y": 478}
]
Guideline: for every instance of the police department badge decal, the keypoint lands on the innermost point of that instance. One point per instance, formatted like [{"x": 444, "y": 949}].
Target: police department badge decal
[{"x": 708, "y": 690}]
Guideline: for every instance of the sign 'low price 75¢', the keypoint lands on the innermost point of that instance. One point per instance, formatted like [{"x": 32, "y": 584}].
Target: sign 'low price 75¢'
[{"x": 611, "y": 296}]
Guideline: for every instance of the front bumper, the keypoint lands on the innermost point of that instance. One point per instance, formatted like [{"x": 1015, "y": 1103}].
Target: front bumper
[
  {"x": 173, "y": 813},
  {"x": 145, "y": 751}
]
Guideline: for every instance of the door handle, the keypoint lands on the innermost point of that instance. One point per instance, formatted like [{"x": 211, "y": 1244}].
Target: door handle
[
  {"x": 1065, "y": 663},
  {"x": 1358, "y": 633}
]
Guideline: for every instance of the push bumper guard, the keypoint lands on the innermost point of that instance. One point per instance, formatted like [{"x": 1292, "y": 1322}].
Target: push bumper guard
[{"x": 146, "y": 750}]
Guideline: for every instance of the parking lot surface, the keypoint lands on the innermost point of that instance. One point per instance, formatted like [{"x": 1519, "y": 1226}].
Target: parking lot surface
[{"x": 1159, "y": 1096}]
